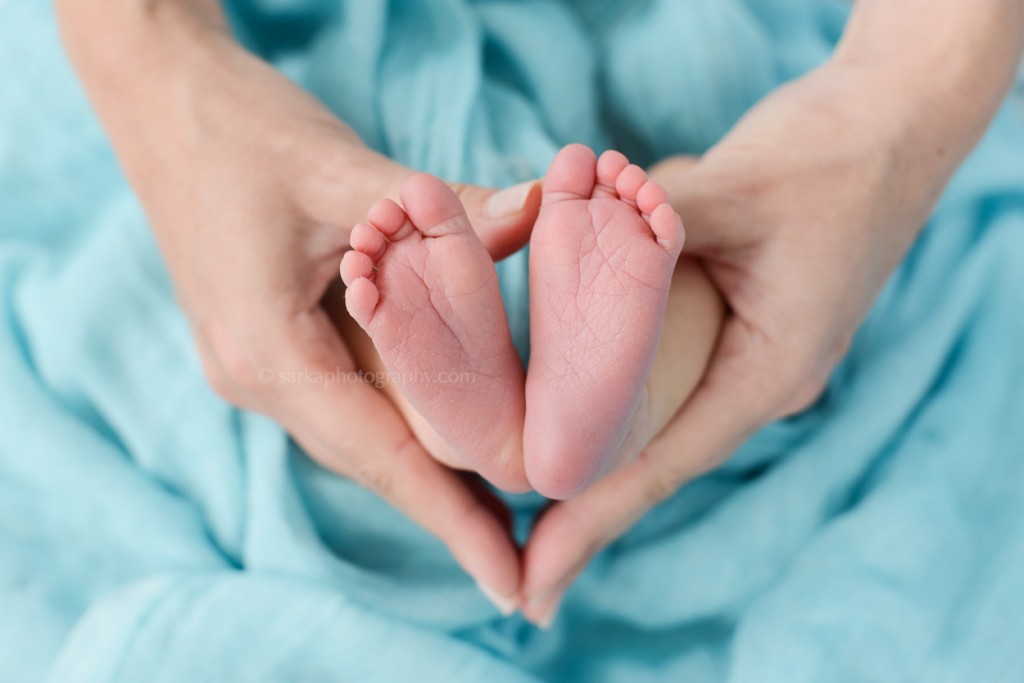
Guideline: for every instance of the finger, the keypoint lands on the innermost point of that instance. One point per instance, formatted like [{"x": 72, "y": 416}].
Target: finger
[
  {"x": 503, "y": 219},
  {"x": 713, "y": 422},
  {"x": 353, "y": 429},
  {"x": 542, "y": 612},
  {"x": 478, "y": 487}
]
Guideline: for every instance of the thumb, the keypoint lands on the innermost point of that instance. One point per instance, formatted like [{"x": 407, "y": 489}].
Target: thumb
[
  {"x": 347, "y": 179},
  {"x": 503, "y": 219}
]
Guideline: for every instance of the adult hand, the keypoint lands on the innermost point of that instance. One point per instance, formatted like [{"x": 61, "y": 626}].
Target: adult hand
[
  {"x": 799, "y": 215},
  {"x": 252, "y": 187}
]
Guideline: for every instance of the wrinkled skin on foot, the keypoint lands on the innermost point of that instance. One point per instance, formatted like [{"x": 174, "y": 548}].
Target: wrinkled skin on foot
[
  {"x": 423, "y": 287},
  {"x": 761, "y": 210},
  {"x": 252, "y": 187},
  {"x": 601, "y": 261}
]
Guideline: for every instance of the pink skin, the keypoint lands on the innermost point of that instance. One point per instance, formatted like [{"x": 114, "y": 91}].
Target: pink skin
[
  {"x": 602, "y": 255},
  {"x": 422, "y": 286}
]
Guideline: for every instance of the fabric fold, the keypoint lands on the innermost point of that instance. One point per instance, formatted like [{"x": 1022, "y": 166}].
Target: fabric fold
[{"x": 150, "y": 532}]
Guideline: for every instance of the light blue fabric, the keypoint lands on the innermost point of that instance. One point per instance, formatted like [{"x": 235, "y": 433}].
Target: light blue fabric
[{"x": 148, "y": 532}]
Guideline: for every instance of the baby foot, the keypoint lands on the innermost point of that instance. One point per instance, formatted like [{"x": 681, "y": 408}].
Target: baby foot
[
  {"x": 601, "y": 261},
  {"x": 424, "y": 289}
]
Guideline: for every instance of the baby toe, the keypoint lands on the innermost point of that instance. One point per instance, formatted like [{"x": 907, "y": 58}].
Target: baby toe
[
  {"x": 650, "y": 196},
  {"x": 389, "y": 218},
  {"x": 667, "y": 227},
  {"x": 361, "y": 300},
  {"x": 609, "y": 166},
  {"x": 368, "y": 240},
  {"x": 354, "y": 266},
  {"x": 629, "y": 183}
]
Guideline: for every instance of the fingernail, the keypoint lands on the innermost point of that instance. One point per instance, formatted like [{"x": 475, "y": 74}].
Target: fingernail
[
  {"x": 508, "y": 201},
  {"x": 544, "y": 622},
  {"x": 547, "y": 617},
  {"x": 505, "y": 605}
]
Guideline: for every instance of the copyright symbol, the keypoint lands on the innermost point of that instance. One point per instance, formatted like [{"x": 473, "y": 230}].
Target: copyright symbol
[{"x": 265, "y": 375}]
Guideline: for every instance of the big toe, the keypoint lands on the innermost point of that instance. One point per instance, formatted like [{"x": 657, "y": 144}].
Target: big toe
[
  {"x": 433, "y": 207},
  {"x": 571, "y": 175}
]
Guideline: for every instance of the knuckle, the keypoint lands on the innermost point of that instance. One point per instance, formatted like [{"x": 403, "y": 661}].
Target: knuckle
[
  {"x": 213, "y": 370},
  {"x": 661, "y": 488},
  {"x": 584, "y": 536},
  {"x": 839, "y": 351},
  {"x": 794, "y": 381},
  {"x": 375, "y": 478},
  {"x": 748, "y": 187},
  {"x": 378, "y": 473},
  {"x": 230, "y": 368},
  {"x": 239, "y": 369},
  {"x": 804, "y": 393},
  {"x": 663, "y": 483},
  {"x": 219, "y": 382}
]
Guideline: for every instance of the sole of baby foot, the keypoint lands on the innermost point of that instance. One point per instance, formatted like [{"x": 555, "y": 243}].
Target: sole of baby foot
[
  {"x": 422, "y": 286},
  {"x": 601, "y": 261}
]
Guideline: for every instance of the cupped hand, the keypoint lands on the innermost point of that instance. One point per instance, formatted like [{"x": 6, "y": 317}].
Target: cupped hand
[
  {"x": 252, "y": 187},
  {"x": 799, "y": 215}
]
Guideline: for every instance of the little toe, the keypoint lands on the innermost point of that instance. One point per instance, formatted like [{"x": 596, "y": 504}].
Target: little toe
[
  {"x": 667, "y": 227},
  {"x": 571, "y": 174},
  {"x": 650, "y": 196},
  {"x": 361, "y": 300},
  {"x": 356, "y": 265},
  {"x": 433, "y": 207},
  {"x": 368, "y": 240},
  {"x": 389, "y": 218},
  {"x": 629, "y": 183},
  {"x": 609, "y": 166}
]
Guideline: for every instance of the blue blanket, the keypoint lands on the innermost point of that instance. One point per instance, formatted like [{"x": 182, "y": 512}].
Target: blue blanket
[{"x": 150, "y": 532}]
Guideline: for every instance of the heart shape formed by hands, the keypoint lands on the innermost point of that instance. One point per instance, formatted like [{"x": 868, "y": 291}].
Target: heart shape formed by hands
[
  {"x": 798, "y": 216},
  {"x": 761, "y": 218},
  {"x": 604, "y": 249},
  {"x": 760, "y": 214}
]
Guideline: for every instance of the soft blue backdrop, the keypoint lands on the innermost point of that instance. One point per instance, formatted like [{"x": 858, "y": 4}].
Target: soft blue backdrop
[{"x": 149, "y": 532}]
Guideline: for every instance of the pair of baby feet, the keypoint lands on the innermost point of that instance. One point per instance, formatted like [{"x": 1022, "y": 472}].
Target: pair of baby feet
[{"x": 602, "y": 254}]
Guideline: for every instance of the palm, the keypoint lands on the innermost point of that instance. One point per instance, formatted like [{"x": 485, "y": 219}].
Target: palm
[{"x": 793, "y": 216}]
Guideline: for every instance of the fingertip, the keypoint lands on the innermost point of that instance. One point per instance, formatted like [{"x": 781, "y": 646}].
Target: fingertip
[
  {"x": 505, "y": 604},
  {"x": 542, "y": 611},
  {"x": 507, "y": 235},
  {"x": 512, "y": 201}
]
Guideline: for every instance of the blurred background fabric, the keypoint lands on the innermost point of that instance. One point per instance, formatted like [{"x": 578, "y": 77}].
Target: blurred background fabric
[{"x": 150, "y": 532}]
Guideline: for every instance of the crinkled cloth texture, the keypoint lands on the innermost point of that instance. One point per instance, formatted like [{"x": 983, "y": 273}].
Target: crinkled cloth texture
[{"x": 149, "y": 532}]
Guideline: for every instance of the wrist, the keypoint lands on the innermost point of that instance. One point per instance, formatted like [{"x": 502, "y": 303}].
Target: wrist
[
  {"x": 917, "y": 127},
  {"x": 936, "y": 83},
  {"x": 134, "y": 57},
  {"x": 121, "y": 41}
]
